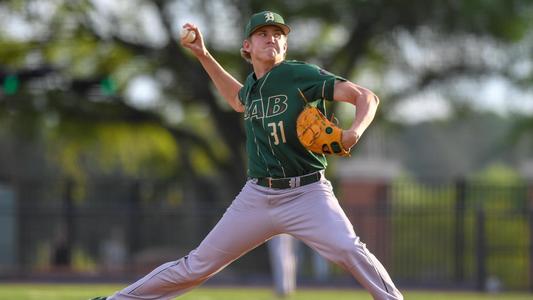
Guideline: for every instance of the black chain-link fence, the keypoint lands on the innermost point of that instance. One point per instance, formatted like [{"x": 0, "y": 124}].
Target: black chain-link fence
[{"x": 452, "y": 235}]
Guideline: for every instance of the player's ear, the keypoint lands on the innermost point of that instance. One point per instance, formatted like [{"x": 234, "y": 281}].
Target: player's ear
[{"x": 246, "y": 45}]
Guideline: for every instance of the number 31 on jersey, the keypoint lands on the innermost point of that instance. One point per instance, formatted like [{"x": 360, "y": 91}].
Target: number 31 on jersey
[{"x": 277, "y": 132}]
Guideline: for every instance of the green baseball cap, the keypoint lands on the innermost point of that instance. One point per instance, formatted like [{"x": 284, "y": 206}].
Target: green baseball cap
[{"x": 263, "y": 19}]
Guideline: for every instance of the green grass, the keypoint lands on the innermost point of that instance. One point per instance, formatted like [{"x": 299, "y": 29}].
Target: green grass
[{"x": 86, "y": 291}]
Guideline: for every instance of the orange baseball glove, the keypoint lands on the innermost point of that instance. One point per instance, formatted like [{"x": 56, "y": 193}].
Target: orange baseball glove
[{"x": 318, "y": 134}]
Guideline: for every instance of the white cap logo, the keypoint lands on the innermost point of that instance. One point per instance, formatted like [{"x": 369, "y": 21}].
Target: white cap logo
[{"x": 269, "y": 17}]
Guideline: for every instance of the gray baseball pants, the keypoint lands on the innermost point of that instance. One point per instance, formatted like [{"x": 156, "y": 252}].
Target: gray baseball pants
[{"x": 310, "y": 213}]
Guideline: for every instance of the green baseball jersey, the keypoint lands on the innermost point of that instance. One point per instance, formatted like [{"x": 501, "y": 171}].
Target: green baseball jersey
[{"x": 272, "y": 105}]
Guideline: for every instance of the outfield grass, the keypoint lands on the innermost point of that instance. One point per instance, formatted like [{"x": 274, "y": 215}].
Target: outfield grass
[{"x": 86, "y": 291}]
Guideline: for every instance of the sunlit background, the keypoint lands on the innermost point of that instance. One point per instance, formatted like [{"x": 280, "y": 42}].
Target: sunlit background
[{"x": 117, "y": 154}]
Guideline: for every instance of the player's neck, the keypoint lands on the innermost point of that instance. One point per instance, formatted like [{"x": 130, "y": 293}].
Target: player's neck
[{"x": 263, "y": 67}]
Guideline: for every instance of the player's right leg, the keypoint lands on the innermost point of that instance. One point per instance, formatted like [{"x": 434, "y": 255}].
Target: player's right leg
[{"x": 245, "y": 225}]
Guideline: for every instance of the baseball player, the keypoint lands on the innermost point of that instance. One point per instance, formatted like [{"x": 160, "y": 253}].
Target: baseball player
[
  {"x": 286, "y": 191},
  {"x": 283, "y": 263}
]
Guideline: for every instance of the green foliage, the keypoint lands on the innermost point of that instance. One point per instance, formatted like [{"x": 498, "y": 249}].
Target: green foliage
[
  {"x": 136, "y": 150},
  {"x": 498, "y": 174},
  {"x": 13, "y": 53},
  {"x": 84, "y": 40}
]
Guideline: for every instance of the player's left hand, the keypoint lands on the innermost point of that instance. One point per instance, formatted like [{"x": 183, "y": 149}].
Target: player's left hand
[
  {"x": 318, "y": 134},
  {"x": 349, "y": 138}
]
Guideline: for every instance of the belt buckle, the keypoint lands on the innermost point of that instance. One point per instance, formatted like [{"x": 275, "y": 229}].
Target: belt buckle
[{"x": 294, "y": 182}]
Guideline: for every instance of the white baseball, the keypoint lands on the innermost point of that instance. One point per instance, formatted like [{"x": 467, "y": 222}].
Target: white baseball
[{"x": 187, "y": 35}]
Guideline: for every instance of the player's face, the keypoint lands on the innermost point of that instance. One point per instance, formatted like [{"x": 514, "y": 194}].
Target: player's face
[{"x": 268, "y": 44}]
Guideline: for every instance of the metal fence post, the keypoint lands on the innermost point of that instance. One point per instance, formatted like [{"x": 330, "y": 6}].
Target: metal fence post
[
  {"x": 134, "y": 215},
  {"x": 459, "y": 234},
  {"x": 481, "y": 250},
  {"x": 529, "y": 204},
  {"x": 63, "y": 246},
  {"x": 531, "y": 245}
]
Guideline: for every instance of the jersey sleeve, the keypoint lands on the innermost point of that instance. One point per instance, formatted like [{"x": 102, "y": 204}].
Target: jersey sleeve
[{"x": 315, "y": 82}]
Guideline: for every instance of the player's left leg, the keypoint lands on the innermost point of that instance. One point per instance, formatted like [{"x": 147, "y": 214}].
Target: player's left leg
[{"x": 317, "y": 219}]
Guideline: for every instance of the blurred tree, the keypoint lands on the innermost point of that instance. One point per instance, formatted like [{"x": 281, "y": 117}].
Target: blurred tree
[{"x": 399, "y": 48}]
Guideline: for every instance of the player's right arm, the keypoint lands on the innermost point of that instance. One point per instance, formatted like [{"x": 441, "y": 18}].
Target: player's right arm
[{"x": 226, "y": 84}]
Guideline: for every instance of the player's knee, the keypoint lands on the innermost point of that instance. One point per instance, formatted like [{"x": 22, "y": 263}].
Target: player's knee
[
  {"x": 199, "y": 269},
  {"x": 351, "y": 253},
  {"x": 198, "y": 272}
]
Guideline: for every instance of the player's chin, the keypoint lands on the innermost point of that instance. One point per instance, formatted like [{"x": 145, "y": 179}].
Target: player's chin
[
  {"x": 268, "y": 58},
  {"x": 272, "y": 56}
]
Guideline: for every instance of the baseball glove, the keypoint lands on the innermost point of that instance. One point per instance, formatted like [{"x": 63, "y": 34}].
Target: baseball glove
[{"x": 318, "y": 134}]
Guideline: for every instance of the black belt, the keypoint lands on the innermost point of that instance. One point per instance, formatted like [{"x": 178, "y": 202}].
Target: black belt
[{"x": 290, "y": 182}]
